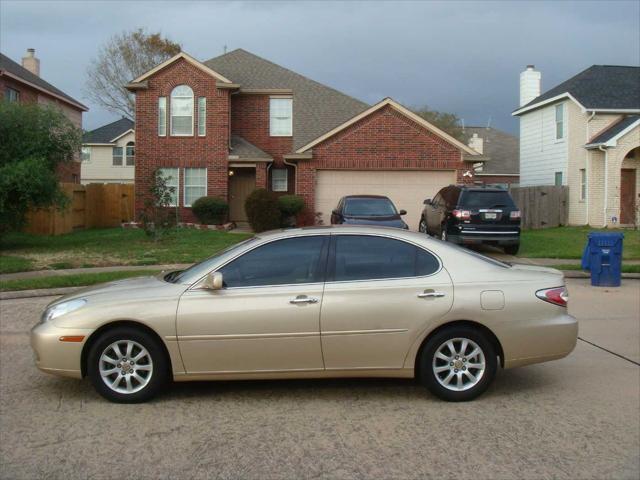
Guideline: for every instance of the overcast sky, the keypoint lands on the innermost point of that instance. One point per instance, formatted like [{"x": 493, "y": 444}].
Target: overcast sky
[{"x": 462, "y": 57}]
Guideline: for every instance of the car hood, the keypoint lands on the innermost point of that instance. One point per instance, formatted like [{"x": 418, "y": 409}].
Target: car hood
[{"x": 389, "y": 221}]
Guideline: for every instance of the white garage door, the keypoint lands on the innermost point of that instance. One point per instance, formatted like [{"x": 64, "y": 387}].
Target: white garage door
[{"x": 407, "y": 189}]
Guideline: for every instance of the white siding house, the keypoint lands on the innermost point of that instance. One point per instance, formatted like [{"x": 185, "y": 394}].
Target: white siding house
[{"x": 108, "y": 154}]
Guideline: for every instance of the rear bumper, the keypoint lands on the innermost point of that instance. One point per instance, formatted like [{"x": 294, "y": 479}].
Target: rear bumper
[{"x": 467, "y": 238}]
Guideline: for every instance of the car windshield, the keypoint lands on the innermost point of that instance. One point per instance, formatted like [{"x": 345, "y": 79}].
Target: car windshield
[
  {"x": 369, "y": 207},
  {"x": 198, "y": 270},
  {"x": 489, "y": 199}
]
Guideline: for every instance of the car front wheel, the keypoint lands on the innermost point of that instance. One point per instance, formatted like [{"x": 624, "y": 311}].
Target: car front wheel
[
  {"x": 423, "y": 226},
  {"x": 457, "y": 364},
  {"x": 127, "y": 365}
]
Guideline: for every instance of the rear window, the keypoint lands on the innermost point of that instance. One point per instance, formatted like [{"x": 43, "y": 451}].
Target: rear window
[
  {"x": 369, "y": 207},
  {"x": 481, "y": 199}
]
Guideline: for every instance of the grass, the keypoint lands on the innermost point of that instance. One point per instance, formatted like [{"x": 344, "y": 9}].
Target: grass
[
  {"x": 79, "y": 280},
  {"x": 625, "y": 268},
  {"x": 569, "y": 242},
  {"x": 108, "y": 247}
]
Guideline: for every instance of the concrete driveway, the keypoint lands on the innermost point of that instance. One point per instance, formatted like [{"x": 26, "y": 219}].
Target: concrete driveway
[{"x": 574, "y": 418}]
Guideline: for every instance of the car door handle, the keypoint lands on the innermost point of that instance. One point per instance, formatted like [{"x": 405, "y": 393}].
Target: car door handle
[
  {"x": 431, "y": 294},
  {"x": 303, "y": 299}
]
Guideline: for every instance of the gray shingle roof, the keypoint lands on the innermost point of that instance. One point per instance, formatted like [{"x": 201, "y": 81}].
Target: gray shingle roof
[
  {"x": 18, "y": 70},
  {"x": 501, "y": 148},
  {"x": 600, "y": 87},
  {"x": 244, "y": 149},
  {"x": 108, "y": 132},
  {"x": 614, "y": 130},
  {"x": 316, "y": 107}
]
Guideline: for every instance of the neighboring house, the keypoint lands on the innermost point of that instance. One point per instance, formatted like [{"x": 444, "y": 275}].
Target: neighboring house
[
  {"x": 501, "y": 149},
  {"x": 237, "y": 122},
  {"x": 108, "y": 153},
  {"x": 585, "y": 133},
  {"x": 22, "y": 83}
]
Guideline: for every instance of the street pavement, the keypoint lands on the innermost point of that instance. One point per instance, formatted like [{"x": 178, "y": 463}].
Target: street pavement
[{"x": 576, "y": 418}]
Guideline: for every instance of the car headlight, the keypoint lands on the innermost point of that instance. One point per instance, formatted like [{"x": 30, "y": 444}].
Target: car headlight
[{"x": 62, "y": 309}]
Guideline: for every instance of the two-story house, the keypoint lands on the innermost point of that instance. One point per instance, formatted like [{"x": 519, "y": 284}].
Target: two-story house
[
  {"x": 108, "y": 153},
  {"x": 22, "y": 83},
  {"x": 237, "y": 122},
  {"x": 501, "y": 150},
  {"x": 585, "y": 134}
]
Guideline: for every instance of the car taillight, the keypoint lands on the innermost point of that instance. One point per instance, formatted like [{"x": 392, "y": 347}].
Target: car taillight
[
  {"x": 557, "y": 296},
  {"x": 514, "y": 215},
  {"x": 462, "y": 214}
]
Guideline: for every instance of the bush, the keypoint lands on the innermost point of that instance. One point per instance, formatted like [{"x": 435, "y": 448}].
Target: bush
[
  {"x": 290, "y": 207},
  {"x": 210, "y": 210},
  {"x": 263, "y": 210},
  {"x": 308, "y": 218}
]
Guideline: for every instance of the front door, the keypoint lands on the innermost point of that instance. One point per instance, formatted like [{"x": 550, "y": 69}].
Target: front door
[
  {"x": 628, "y": 196},
  {"x": 380, "y": 293},
  {"x": 267, "y": 316},
  {"x": 241, "y": 184}
]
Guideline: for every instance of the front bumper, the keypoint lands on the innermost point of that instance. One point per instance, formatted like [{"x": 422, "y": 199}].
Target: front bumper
[{"x": 55, "y": 356}]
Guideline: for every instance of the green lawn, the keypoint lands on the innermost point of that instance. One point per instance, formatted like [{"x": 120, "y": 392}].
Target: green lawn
[
  {"x": 106, "y": 247},
  {"x": 625, "y": 268},
  {"x": 78, "y": 280},
  {"x": 569, "y": 242}
]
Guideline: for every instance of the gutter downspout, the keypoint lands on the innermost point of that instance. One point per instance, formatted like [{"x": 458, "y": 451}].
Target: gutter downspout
[
  {"x": 606, "y": 183},
  {"x": 588, "y": 170},
  {"x": 295, "y": 173}
]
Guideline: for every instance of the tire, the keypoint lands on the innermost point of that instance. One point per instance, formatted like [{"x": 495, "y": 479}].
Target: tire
[
  {"x": 443, "y": 233},
  {"x": 435, "y": 382},
  {"x": 149, "y": 363},
  {"x": 423, "y": 228},
  {"x": 512, "y": 249}
]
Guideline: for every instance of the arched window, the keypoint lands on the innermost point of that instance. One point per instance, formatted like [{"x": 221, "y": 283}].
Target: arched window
[
  {"x": 182, "y": 110},
  {"x": 130, "y": 152}
]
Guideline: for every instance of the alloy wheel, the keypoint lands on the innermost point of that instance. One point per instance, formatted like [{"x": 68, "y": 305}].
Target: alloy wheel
[
  {"x": 126, "y": 366},
  {"x": 423, "y": 226},
  {"x": 459, "y": 364}
]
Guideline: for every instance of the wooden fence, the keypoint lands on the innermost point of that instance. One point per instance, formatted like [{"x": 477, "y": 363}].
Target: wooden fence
[
  {"x": 96, "y": 205},
  {"x": 542, "y": 207}
]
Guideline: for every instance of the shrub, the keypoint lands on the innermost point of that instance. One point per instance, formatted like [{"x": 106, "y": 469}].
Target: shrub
[
  {"x": 210, "y": 210},
  {"x": 290, "y": 207},
  {"x": 158, "y": 219},
  {"x": 262, "y": 210},
  {"x": 308, "y": 218}
]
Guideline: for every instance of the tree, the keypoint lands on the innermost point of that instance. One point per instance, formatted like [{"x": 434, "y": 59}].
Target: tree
[
  {"x": 449, "y": 122},
  {"x": 158, "y": 220},
  {"x": 34, "y": 141},
  {"x": 123, "y": 58}
]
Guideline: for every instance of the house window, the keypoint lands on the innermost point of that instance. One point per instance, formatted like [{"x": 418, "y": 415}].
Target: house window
[
  {"x": 195, "y": 185},
  {"x": 12, "y": 95},
  {"x": 162, "y": 116},
  {"x": 202, "y": 116},
  {"x": 280, "y": 117},
  {"x": 279, "y": 180},
  {"x": 172, "y": 179},
  {"x": 559, "y": 122},
  {"x": 130, "y": 151},
  {"x": 182, "y": 111},
  {"x": 558, "y": 179},
  {"x": 117, "y": 156},
  {"x": 85, "y": 154},
  {"x": 583, "y": 184}
]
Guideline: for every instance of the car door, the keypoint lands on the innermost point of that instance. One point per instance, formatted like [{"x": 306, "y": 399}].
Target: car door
[
  {"x": 265, "y": 318},
  {"x": 380, "y": 293}
]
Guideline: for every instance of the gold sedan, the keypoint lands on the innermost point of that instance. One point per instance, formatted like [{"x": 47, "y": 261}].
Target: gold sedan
[{"x": 313, "y": 303}]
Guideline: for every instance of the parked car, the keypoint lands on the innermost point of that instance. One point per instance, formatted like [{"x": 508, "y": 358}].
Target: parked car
[
  {"x": 473, "y": 215},
  {"x": 368, "y": 210},
  {"x": 312, "y": 302}
]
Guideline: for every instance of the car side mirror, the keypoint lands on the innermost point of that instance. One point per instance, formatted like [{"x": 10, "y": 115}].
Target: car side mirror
[
  {"x": 403, "y": 212},
  {"x": 213, "y": 281},
  {"x": 336, "y": 212},
  {"x": 427, "y": 201}
]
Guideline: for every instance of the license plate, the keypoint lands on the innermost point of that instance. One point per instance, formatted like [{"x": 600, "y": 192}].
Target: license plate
[{"x": 490, "y": 216}]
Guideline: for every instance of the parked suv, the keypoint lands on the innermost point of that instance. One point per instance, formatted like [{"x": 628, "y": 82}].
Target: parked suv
[
  {"x": 368, "y": 210},
  {"x": 473, "y": 215}
]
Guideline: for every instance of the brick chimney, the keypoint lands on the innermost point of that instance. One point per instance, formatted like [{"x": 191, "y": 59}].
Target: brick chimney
[
  {"x": 31, "y": 62},
  {"x": 530, "y": 83}
]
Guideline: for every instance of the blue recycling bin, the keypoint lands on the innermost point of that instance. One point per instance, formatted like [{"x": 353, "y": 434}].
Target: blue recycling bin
[{"x": 603, "y": 257}]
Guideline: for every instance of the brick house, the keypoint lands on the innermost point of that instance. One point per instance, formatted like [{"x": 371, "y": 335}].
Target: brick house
[
  {"x": 585, "y": 134},
  {"x": 22, "y": 83},
  {"x": 238, "y": 122},
  {"x": 500, "y": 149}
]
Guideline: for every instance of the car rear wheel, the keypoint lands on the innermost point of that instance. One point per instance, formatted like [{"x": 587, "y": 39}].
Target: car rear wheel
[
  {"x": 127, "y": 365},
  {"x": 511, "y": 249},
  {"x": 443, "y": 233},
  {"x": 423, "y": 226},
  {"x": 457, "y": 364}
]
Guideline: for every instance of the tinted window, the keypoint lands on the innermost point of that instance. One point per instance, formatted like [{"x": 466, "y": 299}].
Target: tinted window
[
  {"x": 480, "y": 199},
  {"x": 366, "y": 258},
  {"x": 283, "y": 262},
  {"x": 369, "y": 207}
]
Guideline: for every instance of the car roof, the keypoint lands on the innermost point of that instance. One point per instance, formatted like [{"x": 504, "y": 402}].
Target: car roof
[
  {"x": 330, "y": 229},
  {"x": 365, "y": 196}
]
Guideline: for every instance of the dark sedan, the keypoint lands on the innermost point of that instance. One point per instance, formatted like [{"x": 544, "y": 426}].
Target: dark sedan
[{"x": 367, "y": 210}]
